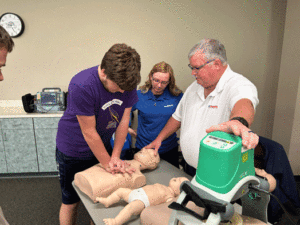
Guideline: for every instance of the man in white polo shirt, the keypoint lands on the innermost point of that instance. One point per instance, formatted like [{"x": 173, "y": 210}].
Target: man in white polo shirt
[{"x": 219, "y": 99}]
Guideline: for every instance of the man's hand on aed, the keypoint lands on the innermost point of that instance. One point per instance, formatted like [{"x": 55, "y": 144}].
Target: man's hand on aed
[{"x": 249, "y": 139}]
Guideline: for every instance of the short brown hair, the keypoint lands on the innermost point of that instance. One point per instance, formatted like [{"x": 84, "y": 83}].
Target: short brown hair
[
  {"x": 122, "y": 65},
  {"x": 5, "y": 40},
  {"x": 162, "y": 67}
]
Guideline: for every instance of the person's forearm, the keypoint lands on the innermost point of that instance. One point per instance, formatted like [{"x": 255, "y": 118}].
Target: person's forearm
[
  {"x": 95, "y": 143},
  {"x": 243, "y": 108},
  {"x": 121, "y": 134},
  {"x": 171, "y": 127}
]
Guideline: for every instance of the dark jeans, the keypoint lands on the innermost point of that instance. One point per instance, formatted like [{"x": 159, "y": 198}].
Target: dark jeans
[{"x": 68, "y": 167}]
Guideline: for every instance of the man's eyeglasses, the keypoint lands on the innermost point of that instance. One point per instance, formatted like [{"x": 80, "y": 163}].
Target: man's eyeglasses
[
  {"x": 200, "y": 67},
  {"x": 158, "y": 81}
]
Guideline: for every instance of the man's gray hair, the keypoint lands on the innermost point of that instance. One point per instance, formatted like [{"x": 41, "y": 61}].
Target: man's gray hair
[{"x": 213, "y": 49}]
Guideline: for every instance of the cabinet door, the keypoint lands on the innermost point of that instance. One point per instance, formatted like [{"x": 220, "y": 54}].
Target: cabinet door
[
  {"x": 3, "y": 167},
  {"x": 46, "y": 143},
  {"x": 45, "y": 133},
  {"x": 45, "y": 122},
  {"x": 16, "y": 124},
  {"x": 20, "y": 150}
]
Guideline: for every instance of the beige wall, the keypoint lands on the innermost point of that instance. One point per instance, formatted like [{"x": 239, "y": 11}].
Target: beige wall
[
  {"x": 64, "y": 37},
  {"x": 287, "y": 120}
]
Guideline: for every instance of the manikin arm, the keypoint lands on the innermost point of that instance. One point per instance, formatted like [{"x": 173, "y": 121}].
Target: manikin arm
[
  {"x": 132, "y": 132},
  {"x": 270, "y": 178},
  {"x": 155, "y": 194},
  {"x": 133, "y": 208}
]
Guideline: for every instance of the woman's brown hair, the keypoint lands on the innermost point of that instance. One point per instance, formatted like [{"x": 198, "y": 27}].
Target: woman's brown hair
[{"x": 162, "y": 67}]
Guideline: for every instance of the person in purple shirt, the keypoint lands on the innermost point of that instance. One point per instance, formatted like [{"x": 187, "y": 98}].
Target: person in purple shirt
[{"x": 99, "y": 103}]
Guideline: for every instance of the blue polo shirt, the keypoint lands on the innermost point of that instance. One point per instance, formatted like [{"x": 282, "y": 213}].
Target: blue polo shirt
[{"x": 153, "y": 114}]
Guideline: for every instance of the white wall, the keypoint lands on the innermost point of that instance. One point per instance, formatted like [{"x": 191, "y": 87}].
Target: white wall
[{"x": 287, "y": 112}]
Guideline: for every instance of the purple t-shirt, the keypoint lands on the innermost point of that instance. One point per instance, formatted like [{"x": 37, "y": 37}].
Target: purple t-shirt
[{"x": 87, "y": 96}]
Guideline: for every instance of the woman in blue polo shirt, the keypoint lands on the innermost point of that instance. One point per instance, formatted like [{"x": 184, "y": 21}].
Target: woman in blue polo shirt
[{"x": 158, "y": 99}]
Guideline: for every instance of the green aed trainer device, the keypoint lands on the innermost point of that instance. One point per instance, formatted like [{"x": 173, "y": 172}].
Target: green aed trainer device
[{"x": 223, "y": 161}]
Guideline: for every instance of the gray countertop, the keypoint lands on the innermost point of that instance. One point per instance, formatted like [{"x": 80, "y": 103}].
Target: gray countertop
[{"x": 18, "y": 112}]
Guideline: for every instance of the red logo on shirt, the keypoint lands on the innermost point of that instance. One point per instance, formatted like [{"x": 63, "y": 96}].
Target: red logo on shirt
[{"x": 213, "y": 106}]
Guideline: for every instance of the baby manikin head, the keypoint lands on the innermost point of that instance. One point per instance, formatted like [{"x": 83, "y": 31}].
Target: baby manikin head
[
  {"x": 147, "y": 158},
  {"x": 175, "y": 183}
]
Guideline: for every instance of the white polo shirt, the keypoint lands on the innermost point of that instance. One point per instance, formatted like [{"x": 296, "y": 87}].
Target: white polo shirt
[{"x": 196, "y": 113}]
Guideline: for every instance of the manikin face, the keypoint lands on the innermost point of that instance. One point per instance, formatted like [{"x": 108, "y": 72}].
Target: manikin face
[
  {"x": 207, "y": 76},
  {"x": 159, "y": 82},
  {"x": 147, "y": 158},
  {"x": 3, "y": 55},
  {"x": 176, "y": 182},
  {"x": 109, "y": 85}
]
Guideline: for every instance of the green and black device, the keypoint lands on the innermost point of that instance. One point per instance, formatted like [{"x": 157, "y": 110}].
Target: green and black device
[
  {"x": 223, "y": 162},
  {"x": 224, "y": 174}
]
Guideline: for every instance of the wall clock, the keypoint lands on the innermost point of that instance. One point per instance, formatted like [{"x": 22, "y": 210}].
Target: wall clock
[{"x": 13, "y": 24}]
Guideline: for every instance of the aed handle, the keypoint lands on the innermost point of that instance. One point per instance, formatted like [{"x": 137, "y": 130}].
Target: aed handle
[
  {"x": 192, "y": 195},
  {"x": 58, "y": 89}
]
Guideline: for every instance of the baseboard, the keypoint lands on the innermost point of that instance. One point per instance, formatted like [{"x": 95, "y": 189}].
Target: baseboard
[{"x": 28, "y": 175}]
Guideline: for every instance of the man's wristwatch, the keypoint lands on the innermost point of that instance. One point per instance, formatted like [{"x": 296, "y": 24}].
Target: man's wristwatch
[{"x": 242, "y": 120}]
